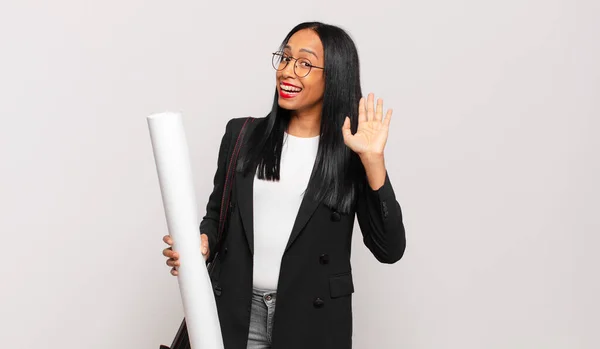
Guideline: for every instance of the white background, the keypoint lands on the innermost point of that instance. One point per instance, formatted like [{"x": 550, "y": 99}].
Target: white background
[{"x": 493, "y": 154}]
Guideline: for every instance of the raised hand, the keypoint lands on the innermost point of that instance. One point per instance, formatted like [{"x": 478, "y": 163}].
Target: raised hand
[{"x": 371, "y": 135}]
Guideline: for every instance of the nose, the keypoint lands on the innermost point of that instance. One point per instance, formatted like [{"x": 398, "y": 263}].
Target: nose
[{"x": 288, "y": 71}]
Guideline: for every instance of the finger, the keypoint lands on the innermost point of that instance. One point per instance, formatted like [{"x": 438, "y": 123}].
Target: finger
[
  {"x": 173, "y": 263},
  {"x": 174, "y": 272},
  {"x": 167, "y": 239},
  {"x": 379, "y": 110},
  {"x": 168, "y": 252},
  {"x": 362, "y": 115},
  {"x": 346, "y": 130},
  {"x": 370, "y": 108},
  {"x": 388, "y": 118}
]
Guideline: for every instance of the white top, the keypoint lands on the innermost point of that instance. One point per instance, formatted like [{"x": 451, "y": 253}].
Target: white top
[{"x": 276, "y": 204}]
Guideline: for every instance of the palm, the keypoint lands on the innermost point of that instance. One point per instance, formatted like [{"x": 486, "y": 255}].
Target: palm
[{"x": 372, "y": 132}]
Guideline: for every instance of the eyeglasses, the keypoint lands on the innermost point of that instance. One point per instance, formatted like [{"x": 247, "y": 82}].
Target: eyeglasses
[{"x": 302, "y": 66}]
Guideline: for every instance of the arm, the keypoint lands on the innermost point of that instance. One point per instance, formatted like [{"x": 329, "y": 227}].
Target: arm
[
  {"x": 210, "y": 221},
  {"x": 379, "y": 214}
]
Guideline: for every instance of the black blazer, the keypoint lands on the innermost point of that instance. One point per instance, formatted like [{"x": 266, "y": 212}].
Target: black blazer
[{"x": 314, "y": 291}]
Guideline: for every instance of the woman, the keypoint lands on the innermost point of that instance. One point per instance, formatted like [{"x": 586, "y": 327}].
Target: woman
[{"x": 306, "y": 169}]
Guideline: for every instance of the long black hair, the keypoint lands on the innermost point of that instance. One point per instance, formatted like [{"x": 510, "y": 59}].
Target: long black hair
[{"x": 339, "y": 168}]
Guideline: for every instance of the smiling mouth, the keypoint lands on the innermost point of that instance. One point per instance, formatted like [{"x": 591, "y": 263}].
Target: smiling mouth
[{"x": 289, "y": 90}]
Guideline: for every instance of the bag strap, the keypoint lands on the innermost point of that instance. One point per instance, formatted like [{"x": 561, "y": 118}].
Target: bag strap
[{"x": 227, "y": 188}]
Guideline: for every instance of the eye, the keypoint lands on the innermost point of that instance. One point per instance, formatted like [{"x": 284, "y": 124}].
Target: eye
[{"x": 304, "y": 63}]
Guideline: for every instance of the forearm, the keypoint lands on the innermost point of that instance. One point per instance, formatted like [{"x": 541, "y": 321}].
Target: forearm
[
  {"x": 375, "y": 169},
  {"x": 380, "y": 219}
]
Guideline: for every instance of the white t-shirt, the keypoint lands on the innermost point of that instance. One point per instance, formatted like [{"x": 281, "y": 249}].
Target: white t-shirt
[{"x": 276, "y": 205}]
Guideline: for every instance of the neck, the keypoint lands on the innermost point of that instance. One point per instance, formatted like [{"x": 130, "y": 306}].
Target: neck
[{"x": 305, "y": 124}]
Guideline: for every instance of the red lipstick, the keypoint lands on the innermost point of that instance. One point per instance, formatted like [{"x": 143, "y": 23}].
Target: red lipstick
[
  {"x": 288, "y": 84},
  {"x": 285, "y": 94}
]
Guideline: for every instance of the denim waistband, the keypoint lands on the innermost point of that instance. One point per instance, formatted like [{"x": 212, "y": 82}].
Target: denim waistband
[{"x": 261, "y": 292}]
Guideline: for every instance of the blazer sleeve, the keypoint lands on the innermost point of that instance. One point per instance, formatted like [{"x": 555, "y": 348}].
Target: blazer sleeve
[
  {"x": 210, "y": 222},
  {"x": 380, "y": 220}
]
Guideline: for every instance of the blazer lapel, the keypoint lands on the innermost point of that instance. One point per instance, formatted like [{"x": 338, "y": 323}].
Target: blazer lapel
[
  {"x": 307, "y": 208},
  {"x": 244, "y": 188},
  {"x": 245, "y": 202},
  {"x": 245, "y": 198},
  {"x": 244, "y": 192}
]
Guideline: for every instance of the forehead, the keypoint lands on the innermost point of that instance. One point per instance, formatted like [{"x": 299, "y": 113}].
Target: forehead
[{"x": 306, "y": 40}]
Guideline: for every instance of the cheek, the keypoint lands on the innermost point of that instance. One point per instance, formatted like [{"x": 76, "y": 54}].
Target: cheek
[
  {"x": 316, "y": 87},
  {"x": 322, "y": 87}
]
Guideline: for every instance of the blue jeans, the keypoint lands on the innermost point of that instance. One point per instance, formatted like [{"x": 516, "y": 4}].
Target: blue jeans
[{"x": 261, "y": 319}]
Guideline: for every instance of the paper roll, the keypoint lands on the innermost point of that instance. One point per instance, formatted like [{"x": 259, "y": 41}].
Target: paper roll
[{"x": 172, "y": 159}]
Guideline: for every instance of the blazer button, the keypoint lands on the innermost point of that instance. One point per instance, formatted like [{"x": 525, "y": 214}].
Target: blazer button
[
  {"x": 218, "y": 290},
  {"x": 385, "y": 209},
  {"x": 318, "y": 303},
  {"x": 324, "y": 259},
  {"x": 225, "y": 250},
  {"x": 335, "y": 216}
]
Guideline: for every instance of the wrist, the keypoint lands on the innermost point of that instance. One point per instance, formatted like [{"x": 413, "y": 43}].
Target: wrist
[
  {"x": 375, "y": 171},
  {"x": 372, "y": 159}
]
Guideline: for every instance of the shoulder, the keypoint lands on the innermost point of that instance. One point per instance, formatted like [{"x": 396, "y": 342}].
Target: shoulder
[{"x": 234, "y": 125}]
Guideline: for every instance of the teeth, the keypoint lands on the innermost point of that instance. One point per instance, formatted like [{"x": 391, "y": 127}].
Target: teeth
[{"x": 290, "y": 88}]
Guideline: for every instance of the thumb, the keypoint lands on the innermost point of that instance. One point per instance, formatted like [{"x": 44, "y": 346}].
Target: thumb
[
  {"x": 346, "y": 131},
  {"x": 204, "y": 243}
]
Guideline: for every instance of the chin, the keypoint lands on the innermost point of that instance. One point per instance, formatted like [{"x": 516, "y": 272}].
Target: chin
[{"x": 285, "y": 104}]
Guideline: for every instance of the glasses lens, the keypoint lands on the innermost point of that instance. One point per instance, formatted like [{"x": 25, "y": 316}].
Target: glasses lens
[
  {"x": 303, "y": 67},
  {"x": 278, "y": 62}
]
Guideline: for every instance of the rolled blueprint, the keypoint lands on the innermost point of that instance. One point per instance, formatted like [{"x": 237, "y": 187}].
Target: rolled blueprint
[{"x": 172, "y": 159}]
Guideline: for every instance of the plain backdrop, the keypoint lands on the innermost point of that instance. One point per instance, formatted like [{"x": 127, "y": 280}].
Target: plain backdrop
[{"x": 493, "y": 155}]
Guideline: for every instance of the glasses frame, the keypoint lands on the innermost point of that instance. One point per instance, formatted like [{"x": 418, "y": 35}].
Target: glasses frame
[{"x": 282, "y": 54}]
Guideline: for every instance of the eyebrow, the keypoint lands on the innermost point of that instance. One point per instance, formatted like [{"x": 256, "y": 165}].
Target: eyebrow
[{"x": 303, "y": 50}]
